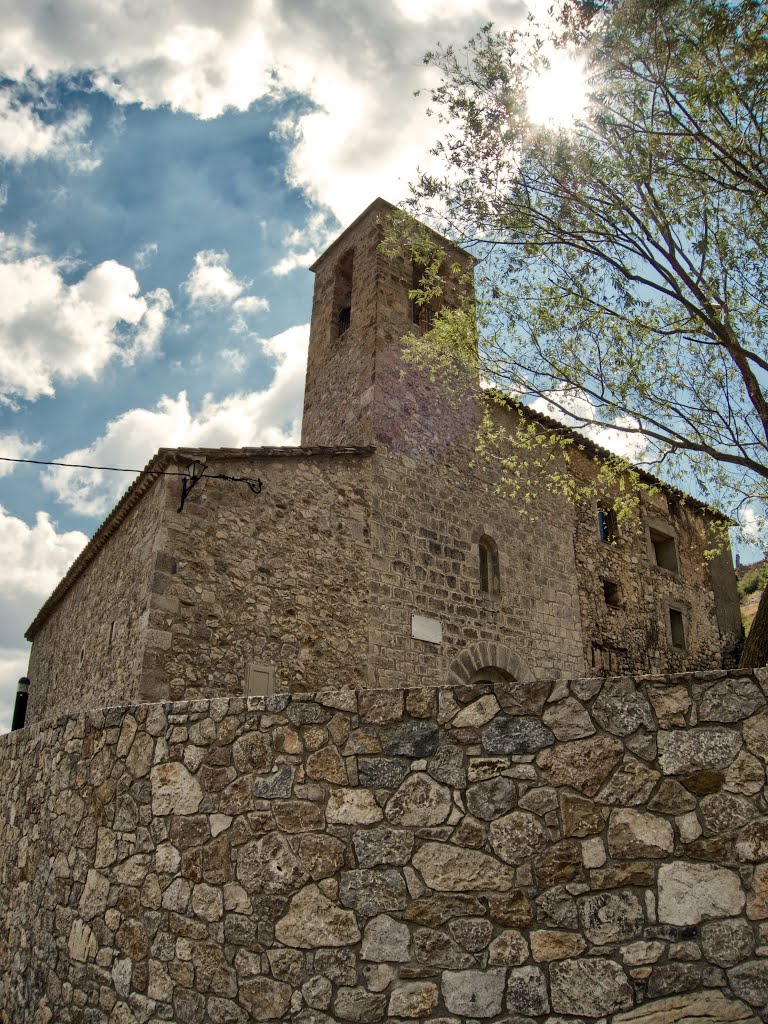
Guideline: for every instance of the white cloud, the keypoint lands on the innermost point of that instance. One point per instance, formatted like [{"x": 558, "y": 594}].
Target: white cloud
[
  {"x": 50, "y": 329},
  {"x": 12, "y": 446},
  {"x": 576, "y": 410},
  {"x": 25, "y": 136},
  {"x": 34, "y": 558},
  {"x": 269, "y": 417},
  {"x": 212, "y": 284},
  {"x": 752, "y": 525},
  {"x": 144, "y": 256},
  {"x": 357, "y": 63}
]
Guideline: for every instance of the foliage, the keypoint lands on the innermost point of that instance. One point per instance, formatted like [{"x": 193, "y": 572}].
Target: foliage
[
  {"x": 623, "y": 262},
  {"x": 754, "y": 579}
]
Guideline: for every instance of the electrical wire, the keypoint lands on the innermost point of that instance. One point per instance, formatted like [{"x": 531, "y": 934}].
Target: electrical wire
[{"x": 111, "y": 469}]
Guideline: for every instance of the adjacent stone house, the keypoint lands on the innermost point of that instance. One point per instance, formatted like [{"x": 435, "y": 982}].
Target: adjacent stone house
[{"x": 380, "y": 551}]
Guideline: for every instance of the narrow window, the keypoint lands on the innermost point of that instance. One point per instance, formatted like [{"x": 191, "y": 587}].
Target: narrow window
[
  {"x": 677, "y": 628},
  {"x": 489, "y": 567},
  {"x": 664, "y": 549},
  {"x": 611, "y": 594},
  {"x": 342, "y": 294},
  {"x": 606, "y": 524}
]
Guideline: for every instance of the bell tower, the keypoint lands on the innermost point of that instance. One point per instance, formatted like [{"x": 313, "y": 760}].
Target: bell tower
[{"x": 359, "y": 390}]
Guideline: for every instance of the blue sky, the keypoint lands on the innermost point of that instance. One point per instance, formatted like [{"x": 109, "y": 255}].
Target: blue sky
[{"x": 167, "y": 174}]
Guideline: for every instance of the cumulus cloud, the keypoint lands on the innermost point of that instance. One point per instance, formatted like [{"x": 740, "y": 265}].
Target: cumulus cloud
[
  {"x": 13, "y": 446},
  {"x": 51, "y": 329},
  {"x": 576, "y": 410},
  {"x": 34, "y": 558},
  {"x": 268, "y": 417},
  {"x": 752, "y": 525},
  {"x": 357, "y": 63},
  {"x": 144, "y": 256},
  {"x": 212, "y": 284},
  {"x": 25, "y": 136}
]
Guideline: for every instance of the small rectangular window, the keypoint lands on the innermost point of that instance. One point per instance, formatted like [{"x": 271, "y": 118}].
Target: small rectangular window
[
  {"x": 611, "y": 594},
  {"x": 606, "y": 524},
  {"x": 259, "y": 680},
  {"x": 664, "y": 549},
  {"x": 677, "y": 628}
]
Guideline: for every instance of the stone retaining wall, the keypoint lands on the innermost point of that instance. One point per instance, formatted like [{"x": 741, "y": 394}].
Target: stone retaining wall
[{"x": 548, "y": 852}]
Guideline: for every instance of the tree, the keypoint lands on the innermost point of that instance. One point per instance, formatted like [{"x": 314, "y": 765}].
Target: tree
[{"x": 624, "y": 261}]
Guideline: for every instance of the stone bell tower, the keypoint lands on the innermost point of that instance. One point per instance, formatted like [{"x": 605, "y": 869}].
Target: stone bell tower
[{"x": 359, "y": 390}]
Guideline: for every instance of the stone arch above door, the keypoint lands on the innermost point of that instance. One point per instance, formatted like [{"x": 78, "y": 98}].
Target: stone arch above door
[{"x": 499, "y": 661}]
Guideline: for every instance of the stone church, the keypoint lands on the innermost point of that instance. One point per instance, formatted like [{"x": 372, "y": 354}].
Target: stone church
[{"x": 379, "y": 551}]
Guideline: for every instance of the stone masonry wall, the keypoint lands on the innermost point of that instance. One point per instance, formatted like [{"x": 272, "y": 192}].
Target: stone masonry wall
[
  {"x": 89, "y": 651},
  {"x": 560, "y": 852}
]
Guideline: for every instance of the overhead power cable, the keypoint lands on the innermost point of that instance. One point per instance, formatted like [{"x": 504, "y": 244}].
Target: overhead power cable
[{"x": 82, "y": 465}]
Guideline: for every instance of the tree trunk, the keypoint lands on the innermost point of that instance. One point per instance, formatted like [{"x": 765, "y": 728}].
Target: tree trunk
[{"x": 755, "y": 653}]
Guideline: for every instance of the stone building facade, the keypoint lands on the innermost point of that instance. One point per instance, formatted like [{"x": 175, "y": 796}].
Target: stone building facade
[{"x": 380, "y": 551}]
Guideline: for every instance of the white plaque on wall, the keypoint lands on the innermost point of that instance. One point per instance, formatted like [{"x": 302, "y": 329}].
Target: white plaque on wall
[{"x": 424, "y": 628}]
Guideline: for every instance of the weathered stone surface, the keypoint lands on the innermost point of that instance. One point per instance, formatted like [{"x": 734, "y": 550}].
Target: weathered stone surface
[
  {"x": 523, "y": 735},
  {"x": 689, "y": 893},
  {"x": 756, "y": 735},
  {"x": 671, "y": 705},
  {"x": 382, "y": 772},
  {"x": 264, "y": 998},
  {"x": 326, "y": 765},
  {"x": 414, "y": 999},
  {"x": 620, "y": 710},
  {"x": 672, "y": 798},
  {"x": 320, "y": 855},
  {"x": 539, "y": 799},
  {"x": 490, "y": 799},
  {"x": 704, "y": 783},
  {"x": 582, "y": 764},
  {"x": 750, "y": 982},
  {"x": 705, "y": 748},
  {"x": 419, "y": 801},
  {"x": 383, "y": 845},
  {"x": 589, "y": 986},
  {"x": 410, "y": 739},
  {"x": 252, "y": 753},
  {"x": 560, "y": 863},
  {"x": 568, "y": 719},
  {"x": 527, "y": 991},
  {"x": 730, "y": 700},
  {"x": 386, "y": 939},
  {"x": 508, "y": 949},
  {"x": 269, "y": 865},
  {"x": 317, "y": 992},
  {"x": 746, "y": 775},
  {"x": 757, "y": 894},
  {"x": 298, "y": 815},
  {"x": 93, "y": 900},
  {"x": 357, "y": 1004},
  {"x": 522, "y": 698},
  {"x": 352, "y": 807},
  {"x": 633, "y": 834},
  {"x": 313, "y": 920},
  {"x": 436, "y": 910},
  {"x": 174, "y": 790},
  {"x": 275, "y": 786},
  {"x": 631, "y": 784},
  {"x": 724, "y": 811},
  {"x": 579, "y": 816},
  {"x": 610, "y": 917},
  {"x": 449, "y": 868},
  {"x": 555, "y": 945},
  {"x": 434, "y": 949},
  {"x": 752, "y": 843},
  {"x": 727, "y": 943},
  {"x": 447, "y": 765},
  {"x": 471, "y": 933},
  {"x": 474, "y": 993},
  {"x": 634, "y": 872},
  {"x": 517, "y": 836},
  {"x": 513, "y": 909},
  {"x": 373, "y": 892},
  {"x": 557, "y": 909},
  {"x": 478, "y": 713},
  {"x": 82, "y": 944},
  {"x": 709, "y": 1007}
]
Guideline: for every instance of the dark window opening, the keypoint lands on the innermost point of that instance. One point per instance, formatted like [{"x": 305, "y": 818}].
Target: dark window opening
[
  {"x": 111, "y": 632},
  {"x": 82, "y": 655},
  {"x": 612, "y": 594},
  {"x": 664, "y": 550},
  {"x": 490, "y": 582},
  {"x": 607, "y": 526},
  {"x": 677, "y": 628},
  {"x": 342, "y": 294}
]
